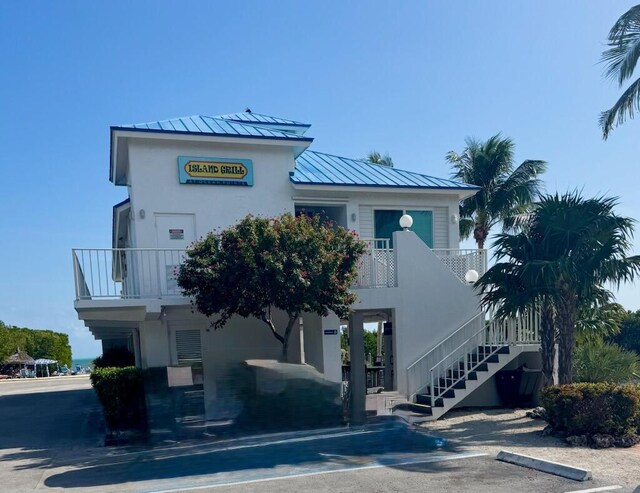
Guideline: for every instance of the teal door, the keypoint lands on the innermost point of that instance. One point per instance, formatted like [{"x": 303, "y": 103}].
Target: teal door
[
  {"x": 388, "y": 221},
  {"x": 423, "y": 225},
  {"x": 385, "y": 223}
]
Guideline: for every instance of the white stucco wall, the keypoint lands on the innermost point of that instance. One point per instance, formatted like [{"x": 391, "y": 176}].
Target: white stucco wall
[
  {"x": 154, "y": 344},
  {"x": 155, "y": 188},
  {"x": 223, "y": 349},
  {"x": 429, "y": 303}
]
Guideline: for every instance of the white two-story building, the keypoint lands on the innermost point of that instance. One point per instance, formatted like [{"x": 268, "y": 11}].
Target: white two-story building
[{"x": 188, "y": 176}]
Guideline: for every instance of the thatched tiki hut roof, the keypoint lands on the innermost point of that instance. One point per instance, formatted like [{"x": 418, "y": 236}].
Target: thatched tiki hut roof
[{"x": 19, "y": 358}]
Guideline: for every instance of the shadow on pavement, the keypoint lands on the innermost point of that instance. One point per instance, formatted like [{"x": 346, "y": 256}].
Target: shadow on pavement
[
  {"x": 392, "y": 444},
  {"x": 40, "y": 427}
]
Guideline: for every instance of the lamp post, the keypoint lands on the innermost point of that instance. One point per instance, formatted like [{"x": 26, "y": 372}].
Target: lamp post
[
  {"x": 471, "y": 276},
  {"x": 406, "y": 221}
]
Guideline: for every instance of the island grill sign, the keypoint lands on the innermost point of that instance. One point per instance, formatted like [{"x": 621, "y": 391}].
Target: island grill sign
[{"x": 215, "y": 171}]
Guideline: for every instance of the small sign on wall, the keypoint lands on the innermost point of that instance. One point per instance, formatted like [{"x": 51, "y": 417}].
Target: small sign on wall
[
  {"x": 215, "y": 171},
  {"x": 176, "y": 234},
  {"x": 179, "y": 376},
  {"x": 331, "y": 332}
]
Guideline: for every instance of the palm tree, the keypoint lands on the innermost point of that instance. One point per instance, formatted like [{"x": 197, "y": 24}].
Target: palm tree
[
  {"x": 568, "y": 250},
  {"x": 506, "y": 191},
  {"x": 621, "y": 59},
  {"x": 376, "y": 158}
]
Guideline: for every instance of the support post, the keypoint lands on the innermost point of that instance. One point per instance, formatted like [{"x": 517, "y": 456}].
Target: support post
[{"x": 357, "y": 375}]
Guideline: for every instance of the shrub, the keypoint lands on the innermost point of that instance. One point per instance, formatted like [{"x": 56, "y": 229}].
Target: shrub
[
  {"x": 121, "y": 393},
  {"x": 593, "y": 408},
  {"x": 115, "y": 357},
  {"x": 597, "y": 361}
]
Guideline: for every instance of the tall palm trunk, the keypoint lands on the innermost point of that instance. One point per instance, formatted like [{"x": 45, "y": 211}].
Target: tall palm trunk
[
  {"x": 548, "y": 343},
  {"x": 566, "y": 316},
  {"x": 480, "y": 233}
]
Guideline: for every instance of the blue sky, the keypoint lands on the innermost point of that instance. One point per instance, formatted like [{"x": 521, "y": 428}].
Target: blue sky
[{"x": 409, "y": 78}]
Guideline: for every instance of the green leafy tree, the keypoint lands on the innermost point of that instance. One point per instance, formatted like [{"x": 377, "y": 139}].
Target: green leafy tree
[
  {"x": 376, "y": 158},
  {"x": 294, "y": 264},
  {"x": 506, "y": 191},
  {"x": 621, "y": 59},
  {"x": 569, "y": 249},
  {"x": 629, "y": 335},
  {"x": 37, "y": 343},
  {"x": 595, "y": 323}
]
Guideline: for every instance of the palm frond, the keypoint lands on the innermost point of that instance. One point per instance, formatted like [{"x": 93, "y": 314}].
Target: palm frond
[
  {"x": 466, "y": 225},
  {"x": 624, "y": 108},
  {"x": 521, "y": 187},
  {"x": 624, "y": 41}
]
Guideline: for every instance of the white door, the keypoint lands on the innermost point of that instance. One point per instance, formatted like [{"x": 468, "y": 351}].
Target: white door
[{"x": 174, "y": 233}]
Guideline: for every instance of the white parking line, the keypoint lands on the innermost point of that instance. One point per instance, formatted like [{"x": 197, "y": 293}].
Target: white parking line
[
  {"x": 422, "y": 460},
  {"x": 594, "y": 490}
]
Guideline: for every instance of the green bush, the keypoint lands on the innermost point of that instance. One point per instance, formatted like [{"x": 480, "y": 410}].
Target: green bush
[
  {"x": 593, "y": 408},
  {"x": 121, "y": 393},
  {"x": 597, "y": 361},
  {"x": 115, "y": 357}
]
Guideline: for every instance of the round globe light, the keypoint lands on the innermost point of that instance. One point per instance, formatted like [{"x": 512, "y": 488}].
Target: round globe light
[
  {"x": 406, "y": 221},
  {"x": 471, "y": 276}
]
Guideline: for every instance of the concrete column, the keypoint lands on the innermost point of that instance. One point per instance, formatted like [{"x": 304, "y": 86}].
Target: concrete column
[
  {"x": 358, "y": 377},
  {"x": 331, "y": 354},
  {"x": 389, "y": 367}
]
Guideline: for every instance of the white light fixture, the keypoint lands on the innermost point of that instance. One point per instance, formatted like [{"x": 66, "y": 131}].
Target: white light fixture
[
  {"x": 455, "y": 218},
  {"x": 353, "y": 217},
  {"x": 142, "y": 213},
  {"x": 471, "y": 276},
  {"x": 406, "y": 221}
]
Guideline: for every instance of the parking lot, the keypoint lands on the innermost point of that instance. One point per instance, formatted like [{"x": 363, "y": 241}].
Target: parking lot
[{"x": 50, "y": 439}]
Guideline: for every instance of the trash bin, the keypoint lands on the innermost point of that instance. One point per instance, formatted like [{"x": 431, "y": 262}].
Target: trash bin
[{"x": 517, "y": 388}]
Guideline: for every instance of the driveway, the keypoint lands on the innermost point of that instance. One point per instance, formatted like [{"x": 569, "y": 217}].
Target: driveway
[
  {"x": 43, "y": 421},
  {"x": 50, "y": 439}
]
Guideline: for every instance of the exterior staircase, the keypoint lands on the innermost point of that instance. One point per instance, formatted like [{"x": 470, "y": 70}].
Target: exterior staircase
[{"x": 460, "y": 364}]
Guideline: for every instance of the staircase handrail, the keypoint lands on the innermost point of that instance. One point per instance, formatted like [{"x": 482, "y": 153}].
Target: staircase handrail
[
  {"x": 461, "y": 353},
  {"x": 522, "y": 329},
  {"x": 411, "y": 392}
]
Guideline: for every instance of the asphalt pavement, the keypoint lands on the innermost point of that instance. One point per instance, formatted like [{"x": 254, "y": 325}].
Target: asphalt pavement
[{"x": 51, "y": 435}]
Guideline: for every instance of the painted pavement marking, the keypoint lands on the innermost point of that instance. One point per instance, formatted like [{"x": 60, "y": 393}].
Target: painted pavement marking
[
  {"x": 348, "y": 468},
  {"x": 594, "y": 490}
]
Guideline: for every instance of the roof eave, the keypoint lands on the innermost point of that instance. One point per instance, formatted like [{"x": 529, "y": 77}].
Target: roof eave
[
  {"x": 462, "y": 192},
  {"x": 210, "y": 134}
]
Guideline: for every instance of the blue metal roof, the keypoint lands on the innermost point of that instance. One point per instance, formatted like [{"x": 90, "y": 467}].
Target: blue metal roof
[
  {"x": 317, "y": 168},
  {"x": 251, "y": 117},
  {"x": 207, "y": 125}
]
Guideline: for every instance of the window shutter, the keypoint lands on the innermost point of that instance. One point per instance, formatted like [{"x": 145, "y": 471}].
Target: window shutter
[{"x": 188, "y": 346}]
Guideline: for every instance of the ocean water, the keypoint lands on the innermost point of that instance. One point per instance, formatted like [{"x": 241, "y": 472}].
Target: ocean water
[{"x": 83, "y": 362}]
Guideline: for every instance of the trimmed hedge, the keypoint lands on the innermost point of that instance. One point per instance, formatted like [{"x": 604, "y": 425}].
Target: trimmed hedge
[
  {"x": 121, "y": 393},
  {"x": 593, "y": 409}
]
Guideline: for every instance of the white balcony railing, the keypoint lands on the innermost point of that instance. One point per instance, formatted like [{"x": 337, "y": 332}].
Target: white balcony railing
[
  {"x": 116, "y": 273},
  {"x": 460, "y": 261},
  {"x": 376, "y": 268}
]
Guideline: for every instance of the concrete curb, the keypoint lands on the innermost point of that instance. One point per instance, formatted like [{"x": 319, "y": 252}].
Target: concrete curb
[{"x": 547, "y": 466}]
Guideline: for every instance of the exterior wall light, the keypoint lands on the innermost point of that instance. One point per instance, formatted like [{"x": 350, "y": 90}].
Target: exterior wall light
[
  {"x": 455, "y": 218},
  {"x": 471, "y": 276},
  {"x": 406, "y": 221}
]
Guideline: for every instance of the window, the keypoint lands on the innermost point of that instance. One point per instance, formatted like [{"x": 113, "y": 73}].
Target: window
[
  {"x": 387, "y": 221},
  {"x": 188, "y": 346}
]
